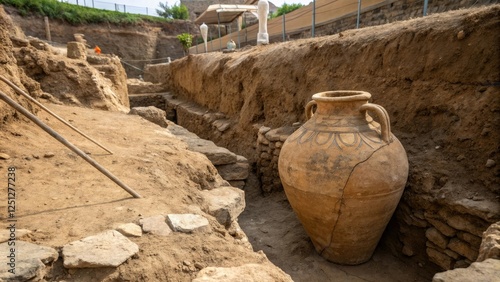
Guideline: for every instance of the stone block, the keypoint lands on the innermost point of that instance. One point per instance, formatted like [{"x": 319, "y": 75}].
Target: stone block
[
  {"x": 442, "y": 227},
  {"x": 107, "y": 249},
  {"x": 130, "y": 229},
  {"x": 473, "y": 240},
  {"x": 490, "y": 246},
  {"x": 224, "y": 203},
  {"x": 487, "y": 270},
  {"x": 237, "y": 183},
  {"x": 25, "y": 270},
  {"x": 155, "y": 225},
  {"x": 463, "y": 249},
  {"x": 246, "y": 272},
  {"x": 188, "y": 223},
  {"x": 235, "y": 171},
  {"x": 436, "y": 237},
  {"x": 467, "y": 223},
  {"x": 439, "y": 258},
  {"x": 152, "y": 114},
  {"x": 264, "y": 129},
  {"x": 76, "y": 50}
]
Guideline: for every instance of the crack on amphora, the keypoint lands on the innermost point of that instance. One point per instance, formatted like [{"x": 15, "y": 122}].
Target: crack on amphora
[{"x": 342, "y": 199}]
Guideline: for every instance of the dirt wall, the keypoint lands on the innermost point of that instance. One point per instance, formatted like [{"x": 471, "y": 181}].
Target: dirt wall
[
  {"x": 137, "y": 44},
  {"x": 10, "y": 70},
  {"x": 437, "y": 76}
]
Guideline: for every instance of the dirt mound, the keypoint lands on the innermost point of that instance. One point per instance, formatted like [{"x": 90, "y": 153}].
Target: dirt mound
[
  {"x": 62, "y": 199},
  {"x": 10, "y": 70}
]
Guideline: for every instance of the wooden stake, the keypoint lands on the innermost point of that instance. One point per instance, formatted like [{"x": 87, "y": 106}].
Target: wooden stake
[
  {"x": 66, "y": 143},
  {"x": 20, "y": 91}
]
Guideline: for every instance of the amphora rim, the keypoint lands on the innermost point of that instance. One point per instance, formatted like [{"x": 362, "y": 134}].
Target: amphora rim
[{"x": 342, "y": 96}]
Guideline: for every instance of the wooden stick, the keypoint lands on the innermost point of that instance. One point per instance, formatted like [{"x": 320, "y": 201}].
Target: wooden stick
[
  {"x": 20, "y": 91},
  {"x": 61, "y": 139}
]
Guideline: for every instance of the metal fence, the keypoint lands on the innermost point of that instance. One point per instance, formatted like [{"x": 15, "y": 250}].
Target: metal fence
[
  {"x": 113, "y": 7},
  {"x": 347, "y": 13}
]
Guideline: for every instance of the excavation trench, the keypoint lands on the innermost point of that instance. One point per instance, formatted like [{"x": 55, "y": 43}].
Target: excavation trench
[{"x": 271, "y": 225}]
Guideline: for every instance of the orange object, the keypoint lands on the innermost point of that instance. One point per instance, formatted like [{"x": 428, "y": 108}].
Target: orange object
[{"x": 97, "y": 50}]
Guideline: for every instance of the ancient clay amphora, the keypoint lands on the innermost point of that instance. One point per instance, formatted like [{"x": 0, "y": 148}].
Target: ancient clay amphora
[{"x": 343, "y": 174}]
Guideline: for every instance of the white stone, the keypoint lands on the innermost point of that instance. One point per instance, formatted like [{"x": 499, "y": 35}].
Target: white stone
[
  {"x": 130, "y": 229},
  {"x": 224, "y": 203},
  {"x": 188, "y": 223},
  {"x": 155, "y": 225},
  {"x": 27, "y": 251},
  {"x": 106, "y": 249},
  {"x": 25, "y": 270},
  {"x": 487, "y": 270},
  {"x": 30, "y": 260},
  {"x": 246, "y": 272}
]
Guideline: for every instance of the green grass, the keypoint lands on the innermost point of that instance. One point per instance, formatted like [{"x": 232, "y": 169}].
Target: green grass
[{"x": 75, "y": 14}]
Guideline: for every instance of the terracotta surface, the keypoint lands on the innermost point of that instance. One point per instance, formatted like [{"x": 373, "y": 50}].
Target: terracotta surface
[{"x": 344, "y": 174}]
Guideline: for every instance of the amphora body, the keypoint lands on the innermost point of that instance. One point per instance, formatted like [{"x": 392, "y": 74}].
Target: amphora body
[{"x": 344, "y": 174}]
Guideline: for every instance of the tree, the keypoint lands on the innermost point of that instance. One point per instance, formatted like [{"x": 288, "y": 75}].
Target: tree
[
  {"x": 285, "y": 9},
  {"x": 186, "y": 40},
  {"x": 177, "y": 12}
]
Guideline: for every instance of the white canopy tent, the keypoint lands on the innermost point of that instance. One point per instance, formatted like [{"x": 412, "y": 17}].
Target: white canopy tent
[{"x": 224, "y": 13}]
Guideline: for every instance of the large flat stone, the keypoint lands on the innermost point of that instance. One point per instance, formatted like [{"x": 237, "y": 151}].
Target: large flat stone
[
  {"x": 217, "y": 155},
  {"x": 235, "y": 171},
  {"x": 246, "y": 272},
  {"x": 224, "y": 203},
  {"x": 106, "y": 249},
  {"x": 27, "y": 251},
  {"x": 30, "y": 260},
  {"x": 155, "y": 225},
  {"x": 25, "y": 270},
  {"x": 188, "y": 223},
  {"x": 488, "y": 270}
]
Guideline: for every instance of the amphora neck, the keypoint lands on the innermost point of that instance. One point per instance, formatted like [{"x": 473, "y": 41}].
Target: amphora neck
[{"x": 340, "y": 103}]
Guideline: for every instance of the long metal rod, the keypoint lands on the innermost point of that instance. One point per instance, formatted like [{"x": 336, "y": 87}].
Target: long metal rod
[
  {"x": 426, "y": 2},
  {"x": 20, "y": 91},
  {"x": 66, "y": 143}
]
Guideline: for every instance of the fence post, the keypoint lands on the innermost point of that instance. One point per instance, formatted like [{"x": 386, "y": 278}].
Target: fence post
[
  {"x": 47, "y": 28},
  {"x": 284, "y": 29},
  {"x": 313, "y": 18},
  {"x": 359, "y": 12},
  {"x": 93, "y": 4}
]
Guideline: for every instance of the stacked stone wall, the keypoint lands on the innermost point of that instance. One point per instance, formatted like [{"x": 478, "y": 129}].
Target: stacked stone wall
[{"x": 269, "y": 143}]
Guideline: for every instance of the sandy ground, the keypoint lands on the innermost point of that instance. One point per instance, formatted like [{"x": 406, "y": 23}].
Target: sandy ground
[{"x": 61, "y": 199}]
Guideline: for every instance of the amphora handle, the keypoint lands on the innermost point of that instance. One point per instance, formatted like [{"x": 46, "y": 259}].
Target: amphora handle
[
  {"x": 383, "y": 117},
  {"x": 309, "y": 108}
]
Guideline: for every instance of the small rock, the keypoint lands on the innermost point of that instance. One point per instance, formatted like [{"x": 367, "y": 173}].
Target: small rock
[
  {"x": 186, "y": 263},
  {"x": 460, "y": 158},
  {"x": 130, "y": 229},
  {"x": 188, "y": 223},
  {"x": 155, "y": 225},
  {"x": 461, "y": 35},
  {"x": 4, "y": 156},
  {"x": 490, "y": 163},
  {"x": 36, "y": 156},
  {"x": 49, "y": 155}
]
